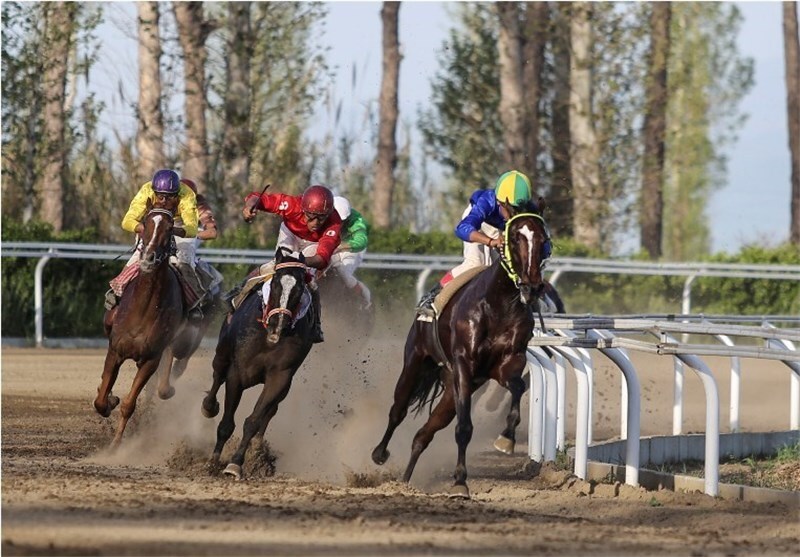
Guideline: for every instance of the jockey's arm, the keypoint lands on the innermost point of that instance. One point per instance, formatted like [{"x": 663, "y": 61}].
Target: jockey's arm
[
  {"x": 478, "y": 237},
  {"x": 316, "y": 262}
]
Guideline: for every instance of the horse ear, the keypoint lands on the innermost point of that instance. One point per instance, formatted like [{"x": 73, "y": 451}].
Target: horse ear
[
  {"x": 510, "y": 209},
  {"x": 542, "y": 205},
  {"x": 148, "y": 205}
]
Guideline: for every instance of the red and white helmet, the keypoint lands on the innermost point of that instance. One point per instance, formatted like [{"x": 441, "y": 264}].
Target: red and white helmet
[{"x": 317, "y": 200}]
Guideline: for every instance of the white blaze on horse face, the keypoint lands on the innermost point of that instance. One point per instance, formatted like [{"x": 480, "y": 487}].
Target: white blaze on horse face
[
  {"x": 287, "y": 283},
  {"x": 528, "y": 233},
  {"x": 156, "y": 224}
]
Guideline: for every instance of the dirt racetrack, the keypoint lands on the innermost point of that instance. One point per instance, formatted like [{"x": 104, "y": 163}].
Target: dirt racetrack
[{"x": 63, "y": 493}]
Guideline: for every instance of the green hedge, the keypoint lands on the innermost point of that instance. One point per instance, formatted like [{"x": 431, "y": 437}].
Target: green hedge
[{"x": 73, "y": 289}]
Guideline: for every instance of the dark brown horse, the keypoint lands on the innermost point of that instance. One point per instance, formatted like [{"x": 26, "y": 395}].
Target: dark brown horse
[
  {"x": 260, "y": 345},
  {"x": 483, "y": 334},
  {"x": 145, "y": 322}
]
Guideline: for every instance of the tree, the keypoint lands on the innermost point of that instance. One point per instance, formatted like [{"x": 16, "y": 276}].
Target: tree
[
  {"x": 654, "y": 131},
  {"x": 707, "y": 80},
  {"x": 512, "y": 108},
  {"x": 59, "y": 19},
  {"x": 561, "y": 200},
  {"x": 193, "y": 30},
  {"x": 237, "y": 137},
  {"x": 536, "y": 20},
  {"x": 462, "y": 130},
  {"x": 150, "y": 132},
  {"x": 386, "y": 158},
  {"x": 585, "y": 149},
  {"x": 792, "y": 56}
]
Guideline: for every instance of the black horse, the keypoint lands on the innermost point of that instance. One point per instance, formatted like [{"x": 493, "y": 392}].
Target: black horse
[
  {"x": 261, "y": 345},
  {"x": 482, "y": 334}
]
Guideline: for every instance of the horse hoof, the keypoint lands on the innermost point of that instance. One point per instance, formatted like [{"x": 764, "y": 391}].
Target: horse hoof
[
  {"x": 380, "y": 457},
  {"x": 210, "y": 407},
  {"x": 459, "y": 491},
  {"x": 233, "y": 470},
  {"x": 212, "y": 466},
  {"x": 166, "y": 393},
  {"x": 179, "y": 367},
  {"x": 504, "y": 445}
]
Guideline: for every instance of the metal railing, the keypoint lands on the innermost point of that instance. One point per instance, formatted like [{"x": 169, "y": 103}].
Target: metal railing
[{"x": 423, "y": 264}]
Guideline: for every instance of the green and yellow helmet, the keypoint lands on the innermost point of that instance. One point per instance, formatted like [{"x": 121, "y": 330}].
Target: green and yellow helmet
[{"x": 513, "y": 187}]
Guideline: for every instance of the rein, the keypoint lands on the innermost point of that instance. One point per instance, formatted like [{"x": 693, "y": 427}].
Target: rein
[
  {"x": 505, "y": 259},
  {"x": 505, "y": 256}
]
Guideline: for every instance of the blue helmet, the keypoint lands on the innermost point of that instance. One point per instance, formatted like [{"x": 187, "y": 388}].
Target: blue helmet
[{"x": 166, "y": 181}]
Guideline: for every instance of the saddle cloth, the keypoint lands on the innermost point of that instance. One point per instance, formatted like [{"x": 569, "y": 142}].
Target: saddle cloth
[{"x": 449, "y": 290}]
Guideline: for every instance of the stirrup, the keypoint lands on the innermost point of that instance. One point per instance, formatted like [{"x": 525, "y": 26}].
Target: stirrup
[{"x": 195, "y": 314}]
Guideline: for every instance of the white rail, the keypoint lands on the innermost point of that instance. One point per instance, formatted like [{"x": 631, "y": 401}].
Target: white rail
[{"x": 603, "y": 333}]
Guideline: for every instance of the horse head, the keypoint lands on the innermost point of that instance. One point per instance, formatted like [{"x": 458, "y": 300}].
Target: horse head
[
  {"x": 523, "y": 258},
  {"x": 286, "y": 292},
  {"x": 156, "y": 237}
]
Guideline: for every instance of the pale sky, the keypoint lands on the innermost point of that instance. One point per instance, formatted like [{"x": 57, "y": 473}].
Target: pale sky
[{"x": 753, "y": 207}]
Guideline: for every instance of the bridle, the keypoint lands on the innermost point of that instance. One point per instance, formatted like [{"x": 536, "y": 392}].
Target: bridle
[
  {"x": 281, "y": 310},
  {"x": 160, "y": 254},
  {"x": 505, "y": 256}
]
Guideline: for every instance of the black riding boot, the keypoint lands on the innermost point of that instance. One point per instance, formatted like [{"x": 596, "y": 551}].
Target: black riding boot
[
  {"x": 425, "y": 305},
  {"x": 316, "y": 327}
]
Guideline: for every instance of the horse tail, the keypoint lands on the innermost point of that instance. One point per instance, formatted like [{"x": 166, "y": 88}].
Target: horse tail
[
  {"x": 428, "y": 388},
  {"x": 551, "y": 291}
]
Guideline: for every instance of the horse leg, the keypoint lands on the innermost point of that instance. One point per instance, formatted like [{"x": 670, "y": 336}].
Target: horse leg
[
  {"x": 165, "y": 390},
  {"x": 221, "y": 363},
  {"x": 262, "y": 430},
  {"x": 412, "y": 369},
  {"x": 105, "y": 401},
  {"x": 463, "y": 409},
  {"x": 275, "y": 390},
  {"x": 233, "y": 395},
  {"x": 442, "y": 414},
  {"x": 128, "y": 406},
  {"x": 507, "y": 376}
]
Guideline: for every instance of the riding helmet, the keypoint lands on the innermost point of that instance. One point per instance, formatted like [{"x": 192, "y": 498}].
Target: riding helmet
[
  {"x": 318, "y": 200},
  {"x": 342, "y": 207},
  {"x": 513, "y": 187},
  {"x": 166, "y": 181}
]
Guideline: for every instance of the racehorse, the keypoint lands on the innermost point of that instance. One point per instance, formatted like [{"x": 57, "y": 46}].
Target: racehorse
[
  {"x": 260, "y": 346},
  {"x": 482, "y": 334},
  {"x": 145, "y": 322}
]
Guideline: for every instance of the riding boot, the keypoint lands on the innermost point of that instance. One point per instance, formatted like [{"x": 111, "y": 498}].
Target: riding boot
[
  {"x": 425, "y": 305},
  {"x": 316, "y": 327},
  {"x": 189, "y": 275},
  {"x": 111, "y": 299}
]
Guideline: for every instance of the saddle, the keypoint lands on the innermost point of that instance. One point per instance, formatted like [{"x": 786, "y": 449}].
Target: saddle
[{"x": 449, "y": 290}]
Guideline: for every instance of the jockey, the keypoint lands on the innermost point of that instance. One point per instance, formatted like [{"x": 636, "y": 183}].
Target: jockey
[
  {"x": 165, "y": 186},
  {"x": 186, "y": 259},
  {"x": 350, "y": 253},
  {"x": 310, "y": 225},
  {"x": 482, "y": 225}
]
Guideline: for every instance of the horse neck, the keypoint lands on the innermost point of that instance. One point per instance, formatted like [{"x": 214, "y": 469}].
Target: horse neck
[
  {"x": 150, "y": 286},
  {"x": 500, "y": 284}
]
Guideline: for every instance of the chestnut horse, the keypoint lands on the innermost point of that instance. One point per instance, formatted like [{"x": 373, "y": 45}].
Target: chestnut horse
[
  {"x": 482, "y": 334},
  {"x": 147, "y": 319},
  {"x": 261, "y": 345}
]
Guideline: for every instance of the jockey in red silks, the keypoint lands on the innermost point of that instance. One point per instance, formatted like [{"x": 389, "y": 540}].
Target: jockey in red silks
[{"x": 310, "y": 225}]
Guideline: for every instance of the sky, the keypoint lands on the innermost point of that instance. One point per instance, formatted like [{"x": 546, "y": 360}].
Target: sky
[{"x": 752, "y": 208}]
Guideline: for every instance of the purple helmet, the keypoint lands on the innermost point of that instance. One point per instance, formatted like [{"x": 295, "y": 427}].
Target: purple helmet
[{"x": 166, "y": 181}]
